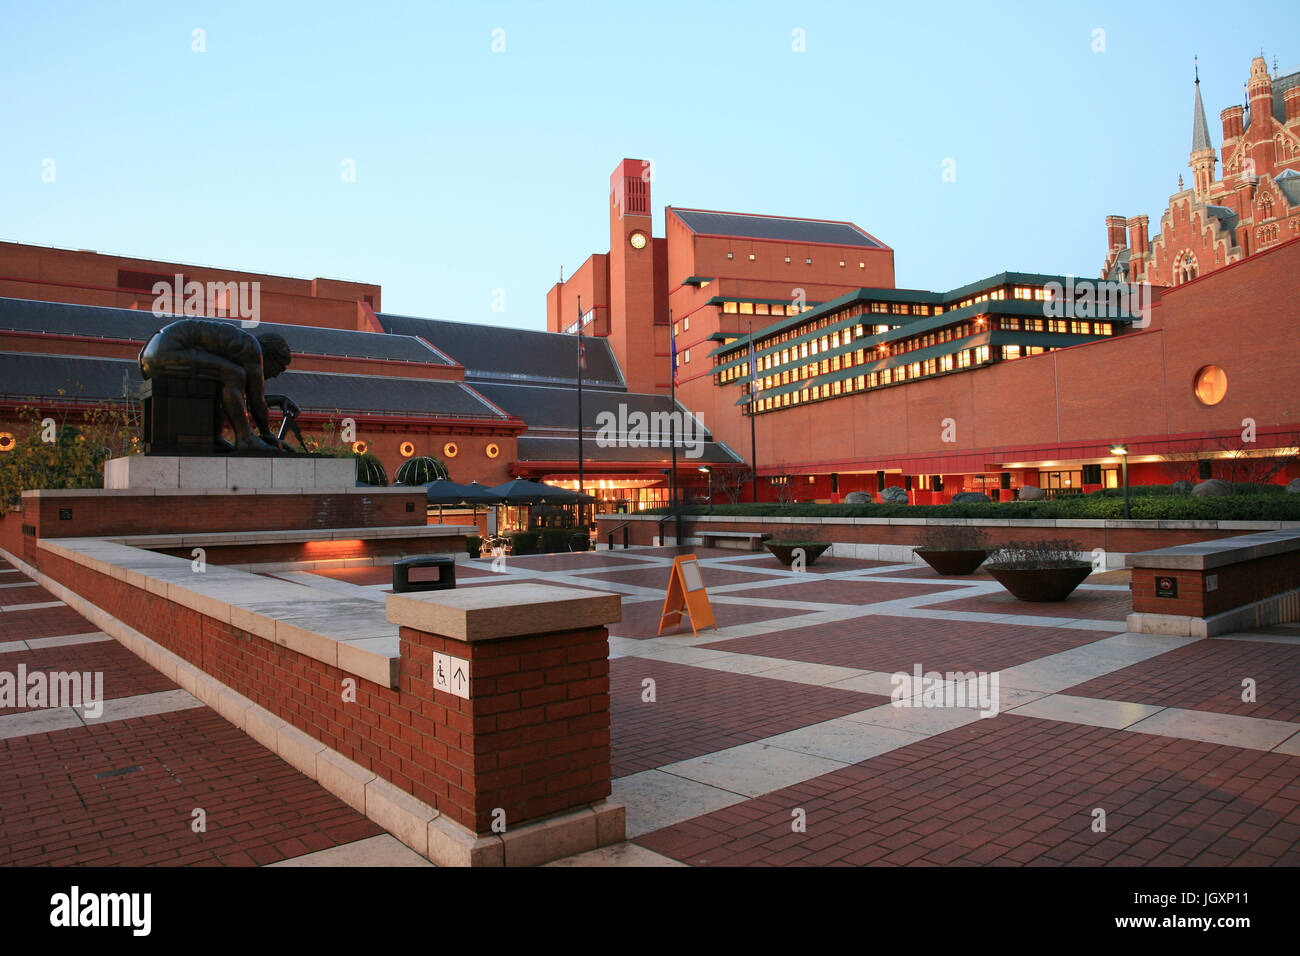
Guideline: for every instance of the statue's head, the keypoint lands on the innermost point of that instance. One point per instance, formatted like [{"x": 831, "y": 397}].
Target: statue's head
[{"x": 275, "y": 354}]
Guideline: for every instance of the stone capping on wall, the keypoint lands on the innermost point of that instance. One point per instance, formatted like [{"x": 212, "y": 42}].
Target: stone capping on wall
[
  {"x": 224, "y": 472},
  {"x": 191, "y": 492},
  {"x": 1205, "y": 555},
  {"x": 508, "y": 610},
  {"x": 216, "y": 539},
  {"x": 349, "y": 633},
  {"x": 414, "y": 822}
]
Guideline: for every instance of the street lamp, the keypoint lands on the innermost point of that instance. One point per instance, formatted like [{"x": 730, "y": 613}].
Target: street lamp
[
  {"x": 709, "y": 471},
  {"x": 1122, "y": 451}
]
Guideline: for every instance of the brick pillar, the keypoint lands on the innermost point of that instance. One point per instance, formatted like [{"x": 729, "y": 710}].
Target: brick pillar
[{"x": 524, "y": 735}]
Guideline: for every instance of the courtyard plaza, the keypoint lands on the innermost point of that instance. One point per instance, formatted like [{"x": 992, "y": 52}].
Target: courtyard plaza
[{"x": 774, "y": 739}]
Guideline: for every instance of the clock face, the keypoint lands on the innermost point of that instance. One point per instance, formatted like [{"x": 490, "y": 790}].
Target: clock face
[{"x": 638, "y": 240}]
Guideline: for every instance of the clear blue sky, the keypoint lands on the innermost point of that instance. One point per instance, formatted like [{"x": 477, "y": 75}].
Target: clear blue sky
[{"x": 479, "y": 170}]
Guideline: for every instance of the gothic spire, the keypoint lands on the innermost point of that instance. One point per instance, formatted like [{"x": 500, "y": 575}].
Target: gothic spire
[{"x": 1200, "y": 128}]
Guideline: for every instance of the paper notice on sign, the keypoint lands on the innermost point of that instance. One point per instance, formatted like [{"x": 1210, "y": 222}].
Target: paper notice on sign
[{"x": 691, "y": 575}]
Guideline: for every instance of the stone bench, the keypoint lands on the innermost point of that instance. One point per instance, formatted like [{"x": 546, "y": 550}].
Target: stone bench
[{"x": 750, "y": 540}]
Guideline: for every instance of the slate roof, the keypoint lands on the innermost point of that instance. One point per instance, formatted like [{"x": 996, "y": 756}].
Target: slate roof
[
  {"x": 95, "y": 321},
  {"x": 504, "y": 354},
  {"x": 706, "y": 223},
  {"x": 1227, "y": 218},
  {"x": 1289, "y": 182},
  {"x": 1200, "y": 129},
  {"x": 541, "y": 448},
  {"x": 24, "y": 375},
  {"x": 556, "y": 407}
]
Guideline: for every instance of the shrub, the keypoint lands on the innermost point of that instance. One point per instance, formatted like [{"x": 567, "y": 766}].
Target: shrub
[
  {"x": 421, "y": 471},
  {"x": 798, "y": 536},
  {"x": 1037, "y": 555},
  {"x": 952, "y": 537},
  {"x": 555, "y": 540},
  {"x": 473, "y": 545},
  {"x": 523, "y": 542}
]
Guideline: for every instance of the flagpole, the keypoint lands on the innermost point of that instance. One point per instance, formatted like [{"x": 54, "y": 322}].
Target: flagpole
[
  {"x": 582, "y": 360},
  {"x": 753, "y": 443}
]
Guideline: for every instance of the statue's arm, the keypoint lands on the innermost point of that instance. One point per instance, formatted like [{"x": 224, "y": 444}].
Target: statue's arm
[{"x": 255, "y": 393}]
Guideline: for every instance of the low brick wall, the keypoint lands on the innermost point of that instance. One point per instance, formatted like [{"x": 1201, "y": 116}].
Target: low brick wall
[
  {"x": 1216, "y": 585},
  {"x": 99, "y": 513},
  {"x": 306, "y": 551},
  {"x": 1111, "y": 536},
  {"x": 531, "y": 741}
]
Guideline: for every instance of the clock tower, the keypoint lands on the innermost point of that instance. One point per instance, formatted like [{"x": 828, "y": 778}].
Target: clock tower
[{"x": 632, "y": 293}]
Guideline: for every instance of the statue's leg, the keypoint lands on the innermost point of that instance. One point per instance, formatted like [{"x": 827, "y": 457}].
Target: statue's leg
[{"x": 232, "y": 380}]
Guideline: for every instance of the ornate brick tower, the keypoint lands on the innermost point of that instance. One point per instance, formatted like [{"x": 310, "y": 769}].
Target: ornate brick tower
[{"x": 1202, "y": 158}]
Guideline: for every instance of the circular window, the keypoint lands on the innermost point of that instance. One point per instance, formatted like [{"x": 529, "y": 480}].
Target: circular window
[
  {"x": 492, "y": 450},
  {"x": 1211, "y": 385},
  {"x": 7, "y": 441},
  {"x": 359, "y": 447},
  {"x": 450, "y": 449},
  {"x": 407, "y": 449}
]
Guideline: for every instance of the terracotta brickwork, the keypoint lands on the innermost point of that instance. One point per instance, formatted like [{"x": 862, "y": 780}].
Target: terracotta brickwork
[
  {"x": 1235, "y": 585},
  {"x": 532, "y": 740}
]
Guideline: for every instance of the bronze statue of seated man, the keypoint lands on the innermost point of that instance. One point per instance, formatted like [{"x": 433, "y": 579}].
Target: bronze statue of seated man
[{"x": 225, "y": 353}]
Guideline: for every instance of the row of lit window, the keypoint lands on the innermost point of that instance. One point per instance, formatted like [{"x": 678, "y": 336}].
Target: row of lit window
[
  {"x": 965, "y": 358},
  {"x": 866, "y": 381},
  {"x": 762, "y": 308},
  {"x": 938, "y": 337}
]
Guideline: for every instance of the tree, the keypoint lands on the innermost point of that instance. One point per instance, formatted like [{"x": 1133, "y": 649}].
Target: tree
[
  {"x": 731, "y": 480},
  {"x": 68, "y": 451}
]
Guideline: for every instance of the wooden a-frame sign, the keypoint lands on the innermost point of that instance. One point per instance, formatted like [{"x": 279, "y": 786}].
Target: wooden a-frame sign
[{"x": 687, "y": 595}]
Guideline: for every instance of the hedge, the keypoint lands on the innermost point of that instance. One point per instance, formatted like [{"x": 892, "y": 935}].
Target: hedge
[{"x": 1247, "y": 506}]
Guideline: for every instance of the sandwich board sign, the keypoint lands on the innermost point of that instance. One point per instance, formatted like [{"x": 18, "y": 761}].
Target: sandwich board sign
[{"x": 687, "y": 595}]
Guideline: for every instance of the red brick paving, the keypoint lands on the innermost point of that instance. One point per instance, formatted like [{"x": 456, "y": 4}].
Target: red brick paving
[
  {"x": 1208, "y": 675},
  {"x": 641, "y": 619},
  {"x": 123, "y": 793},
  {"x": 49, "y": 622},
  {"x": 125, "y": 675},
  {"x": 887, "y": 643},
  {"x": 847, "y": 592},
  {"x": 31, "y": 593},
  {"x": 1017, "y": 791},
  {"x": 1083, "y": 603},
  {"x": 697, "y": 711},
  {"x": 711, "y": 576}
]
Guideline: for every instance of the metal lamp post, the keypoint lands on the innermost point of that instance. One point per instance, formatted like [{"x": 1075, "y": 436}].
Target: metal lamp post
[{"x": 1122, "y": 451}]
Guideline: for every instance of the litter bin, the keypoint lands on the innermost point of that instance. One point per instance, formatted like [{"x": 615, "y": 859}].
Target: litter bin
[{"x": 446, "y": 579}]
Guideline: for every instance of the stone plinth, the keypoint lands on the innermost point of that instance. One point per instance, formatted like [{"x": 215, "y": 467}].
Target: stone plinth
[{"x": 170, "y": 472}]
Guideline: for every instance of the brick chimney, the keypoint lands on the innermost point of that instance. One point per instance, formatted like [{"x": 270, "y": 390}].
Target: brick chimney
[
  {"x": 1139, "y": 241},
  {"x": 1114, "y": 232}
]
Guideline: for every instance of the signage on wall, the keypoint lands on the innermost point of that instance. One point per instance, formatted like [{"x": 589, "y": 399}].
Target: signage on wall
[
  {"x": 1166, "y": 586},
  {"x": 687, "y": 595},
  {"x": 451, "y": 674}
]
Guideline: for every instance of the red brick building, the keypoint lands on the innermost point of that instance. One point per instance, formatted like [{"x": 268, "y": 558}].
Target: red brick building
[{"x": 1254, "y": 205}]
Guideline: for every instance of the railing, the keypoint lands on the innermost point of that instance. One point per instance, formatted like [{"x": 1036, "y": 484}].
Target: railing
[
  {"x": 609, "y": 538},
  {"x": 670, "y": 515}
]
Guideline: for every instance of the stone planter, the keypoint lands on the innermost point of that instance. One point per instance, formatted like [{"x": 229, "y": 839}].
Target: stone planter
[
  {"x": 785, "y": 552},
  {"x": 1042, "y": 584},
  {"x": 953, "y": 562}
]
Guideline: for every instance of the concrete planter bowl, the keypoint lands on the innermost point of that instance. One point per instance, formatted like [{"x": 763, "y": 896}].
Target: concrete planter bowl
[
  {"x": 954, "y": 562},
  {"x": 1042, "y": 585},
  {"x": 785, "y": 552}
]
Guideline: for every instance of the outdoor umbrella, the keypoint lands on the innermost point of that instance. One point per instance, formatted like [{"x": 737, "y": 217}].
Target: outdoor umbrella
[{"x": 521, "y": 491}]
